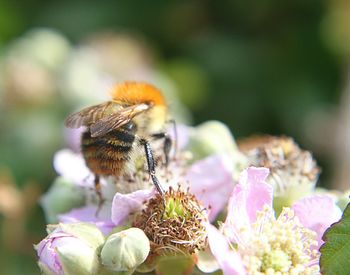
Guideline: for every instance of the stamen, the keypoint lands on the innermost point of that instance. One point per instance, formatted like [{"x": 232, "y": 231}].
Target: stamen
[{"x": 279, "y": 246}]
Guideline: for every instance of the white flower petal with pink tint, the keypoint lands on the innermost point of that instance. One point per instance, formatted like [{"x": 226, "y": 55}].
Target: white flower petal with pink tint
[
  {"x": 72, "y": 167},
  {"x": 211, "y": 182},
  {"x": 229, "y": 260},
  {"x": 258, "y": 193},
  {"x": 125, "y": 205},
  {"x": 181, "y": 137},
  {"x": 72, "y": 138},
  {"x": 317, "y": 213},
  {"x": 253, "y": 237},
  {"x": 90, "y": 213},
  {"x": 249, "y": 196}
]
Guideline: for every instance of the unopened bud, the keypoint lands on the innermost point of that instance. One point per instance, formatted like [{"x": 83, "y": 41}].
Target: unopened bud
[
  {"x": 213, "y": 137},
  {"x": 62, "y": 196},
  {"x": 70, "y": 249},
  {"x": 125, "y": 250}
]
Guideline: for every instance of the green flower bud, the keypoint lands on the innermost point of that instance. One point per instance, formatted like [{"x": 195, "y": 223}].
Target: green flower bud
[
  {"x": 125, "y": 250},
  {"x": 213, "y": 137},
  {"x": 62, "y": 196},
  {"x": 344, "y": 200}
]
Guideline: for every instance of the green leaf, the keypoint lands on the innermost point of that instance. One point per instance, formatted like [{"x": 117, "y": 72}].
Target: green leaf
[{"x": 335, "y": 252}]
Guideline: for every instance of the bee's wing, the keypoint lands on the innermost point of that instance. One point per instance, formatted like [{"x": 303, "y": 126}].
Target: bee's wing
[
  {"x": 116, "y": 120},
  {"x": 87, "y": 116}
]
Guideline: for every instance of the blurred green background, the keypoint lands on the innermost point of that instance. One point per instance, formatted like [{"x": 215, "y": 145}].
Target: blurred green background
[{"x": 264, "y": 66}]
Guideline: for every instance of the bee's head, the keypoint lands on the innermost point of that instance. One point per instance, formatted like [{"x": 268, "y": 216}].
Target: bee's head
[{"x": 132, "y": 93}]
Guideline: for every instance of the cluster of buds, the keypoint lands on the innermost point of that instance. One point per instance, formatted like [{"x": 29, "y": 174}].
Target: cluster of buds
[{"x": 172, "y": 224}]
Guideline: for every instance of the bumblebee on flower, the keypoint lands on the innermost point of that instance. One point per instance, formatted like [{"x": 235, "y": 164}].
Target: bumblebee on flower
[{"x": 164, "y": 212}]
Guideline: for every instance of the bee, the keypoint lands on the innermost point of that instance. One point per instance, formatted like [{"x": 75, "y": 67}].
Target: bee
[{"x": 117, "y": 129}]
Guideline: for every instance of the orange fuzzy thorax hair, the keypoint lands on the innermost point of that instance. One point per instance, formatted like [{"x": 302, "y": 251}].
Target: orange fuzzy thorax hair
[{"x": 136, "y": 93}]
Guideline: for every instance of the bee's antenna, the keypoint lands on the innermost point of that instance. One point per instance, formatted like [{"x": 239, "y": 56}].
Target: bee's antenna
[{"x": 151, "y": 166}]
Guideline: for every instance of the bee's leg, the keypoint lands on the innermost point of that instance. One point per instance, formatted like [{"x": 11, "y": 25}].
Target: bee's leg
[
  {"x": 166, "y": 146},
  {"x": 98, "y": 192},
  {"x": 175, "y": 136},
  {"x": 151, "y": 165}
]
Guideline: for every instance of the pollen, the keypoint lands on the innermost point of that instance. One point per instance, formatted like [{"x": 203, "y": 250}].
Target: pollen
[
  {"x": 175, "y": 223},
  {"x": 280, "y": 246}
]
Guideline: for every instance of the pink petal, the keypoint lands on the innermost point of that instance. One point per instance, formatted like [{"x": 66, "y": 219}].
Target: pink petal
[
  {"x": 317, "y": 213},
  {"x": 211, "y": 181},
  {"x": 229, "y": 261},
  {"x": 71, "y": 166},
  {"x": 183, "y": 135},
  {"x": 126, "y": 204},
  {"x": 259, "y": 193},
  {"x": 91, "y": 214},
  {"x": 248, "y": 197}
]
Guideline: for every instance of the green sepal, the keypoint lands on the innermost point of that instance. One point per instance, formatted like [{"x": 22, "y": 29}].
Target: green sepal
[
  {"x": 174, "y": 265},
  {"x": 85, "y": 231},
  {"x": 44, "y": 269}
]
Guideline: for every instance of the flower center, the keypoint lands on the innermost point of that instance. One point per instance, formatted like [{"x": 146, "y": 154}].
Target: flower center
[
  {"x": 174, "y": 223},
  {"x": 175, "y": 209},
  {"x": 280, "y": 245},
  {"x": 276, "y": 260}
]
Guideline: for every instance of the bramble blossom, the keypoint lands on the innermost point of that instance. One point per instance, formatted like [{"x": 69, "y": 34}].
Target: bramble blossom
[{"x": 253, "y": 241}]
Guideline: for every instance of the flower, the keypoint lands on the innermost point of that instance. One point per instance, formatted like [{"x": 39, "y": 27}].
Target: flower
[
  {"x": 293, "y": 171},
  {"x": 128, "y": 204},
  {"x": 72, "y": 197},
  {"x": 174, "y": 223},
  {"x": 317, "y": 213},
  {"x": 253, "y": 241},
  {"x": 210, "y": 180},
  {"x": 71, "y": 166},
  {"x": 70, "y": 249}
]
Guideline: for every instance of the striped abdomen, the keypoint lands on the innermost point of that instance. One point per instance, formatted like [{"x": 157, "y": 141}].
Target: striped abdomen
[{"x": 108, "y": 154}]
